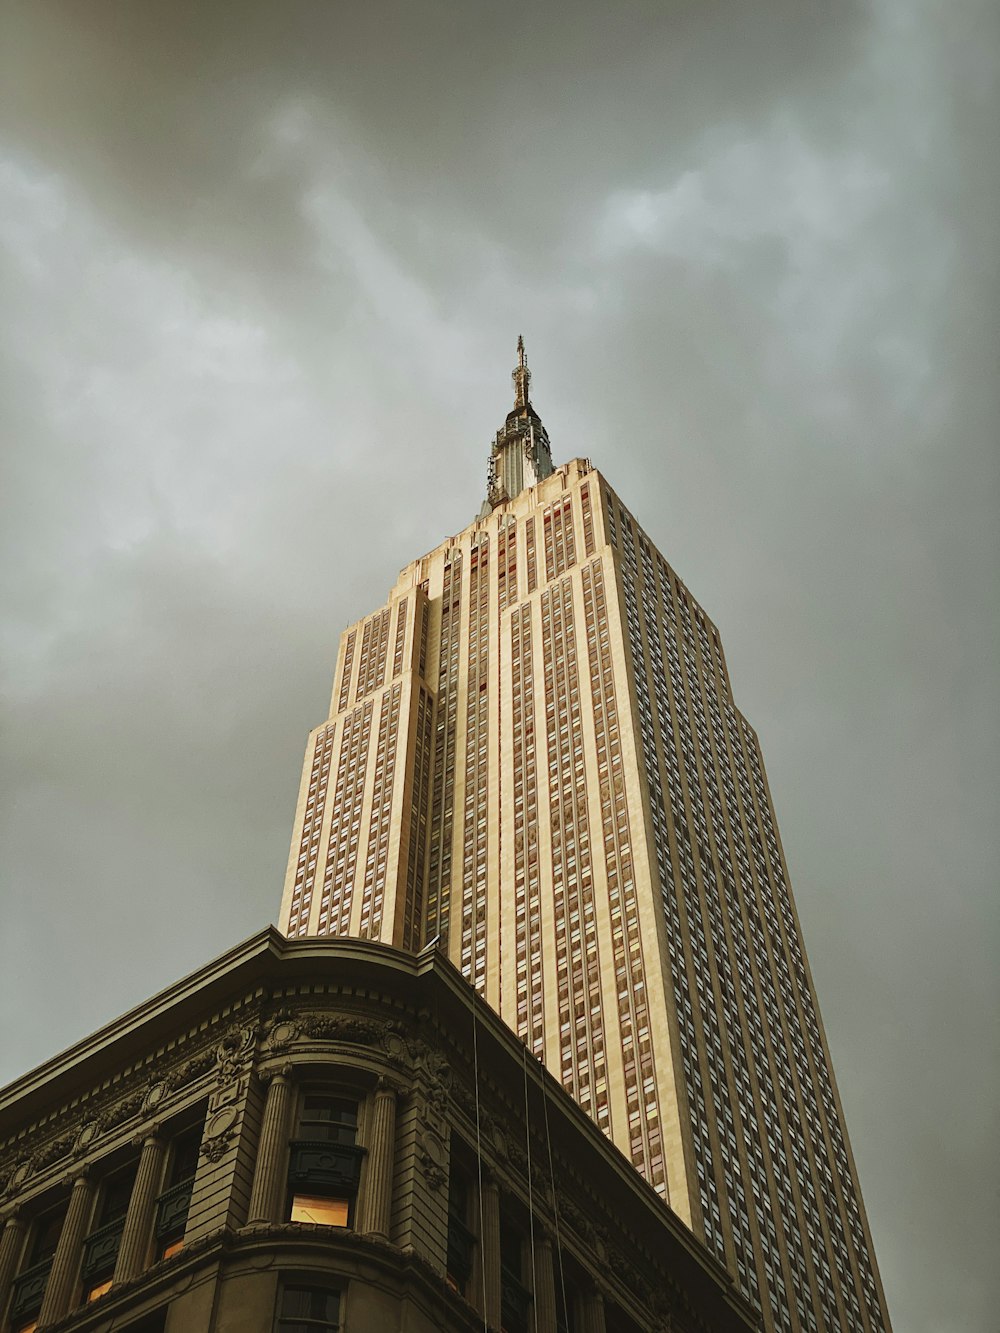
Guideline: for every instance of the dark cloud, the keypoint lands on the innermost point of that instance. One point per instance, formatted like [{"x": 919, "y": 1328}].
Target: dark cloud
[{"x": 264, "y": 270}]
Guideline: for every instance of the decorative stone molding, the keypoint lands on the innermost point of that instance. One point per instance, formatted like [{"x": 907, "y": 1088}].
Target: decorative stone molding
[
  {"x": 348, "y": 1028},
  {"x": 155, "y": 1094},
  {"x": 54, "y": 1151},
  {"x": 190, "y": 1070},
  {"x": 220, "y": 1130},
  {"x": 152, "y": 1131},
  {"x": 433, "y": 1157},
  {"x": 233, "y": 1052},
  {"x": 18, "y": 1175},
  {"x": 283, "y": 1071},
  {"x": 572, "y": 1214},
  {"x": 79, "y": 1130},
  {"x": 279, "y": 1031},
  {"x": 396, "y": 1048}
]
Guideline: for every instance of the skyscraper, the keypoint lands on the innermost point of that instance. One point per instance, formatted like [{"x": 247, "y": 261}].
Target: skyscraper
[{"x": 533, "y": 758}]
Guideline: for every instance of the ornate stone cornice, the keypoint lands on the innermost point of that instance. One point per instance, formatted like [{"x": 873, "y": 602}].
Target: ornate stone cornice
[{"x": 80, "y": 1130}]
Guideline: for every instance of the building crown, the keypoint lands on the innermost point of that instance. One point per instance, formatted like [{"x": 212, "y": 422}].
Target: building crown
[{"x": 521, "y": 455}]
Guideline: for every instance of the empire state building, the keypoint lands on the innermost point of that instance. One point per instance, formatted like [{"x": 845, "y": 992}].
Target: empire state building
[{"x": 533, "y": 757}]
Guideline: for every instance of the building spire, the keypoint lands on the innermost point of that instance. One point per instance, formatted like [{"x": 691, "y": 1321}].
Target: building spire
[
  {"x": 521, "y": 455},
  {"x": 521, "y": 376}
]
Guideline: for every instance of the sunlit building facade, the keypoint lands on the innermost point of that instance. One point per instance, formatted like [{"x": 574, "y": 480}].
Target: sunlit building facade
[{"x": 534, "y": 761}]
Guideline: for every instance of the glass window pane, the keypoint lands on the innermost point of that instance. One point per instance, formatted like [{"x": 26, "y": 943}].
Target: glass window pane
[
  {"x": 317, "y": 1208},
  {"x": 308, "y": 1310}
]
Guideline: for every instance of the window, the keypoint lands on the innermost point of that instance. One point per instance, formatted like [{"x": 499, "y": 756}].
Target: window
[
  {"x": 100, "y": 1249},
  {"x": 515, "y": 1298},
  {"x": 29, "y": 1285},
  {"x": 328, "y": 1119},
  {"x": 461, "y": 1241},
  {"x": 173, "y": 1204},
  {"x": 325, "y": 1162},
  {"x": 318, "y": 1208},
  {"x": 46, "y": 1237},
  {"x": 308, "y": 1310}
]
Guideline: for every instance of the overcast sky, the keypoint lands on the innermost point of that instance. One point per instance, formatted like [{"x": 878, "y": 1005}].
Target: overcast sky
[{"x": 264, "y": 269}]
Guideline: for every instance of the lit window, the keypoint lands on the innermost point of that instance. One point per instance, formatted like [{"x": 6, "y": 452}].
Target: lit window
[
  {"x": 320, "y": 1209},
  {"x": 325, "y": 1161}
]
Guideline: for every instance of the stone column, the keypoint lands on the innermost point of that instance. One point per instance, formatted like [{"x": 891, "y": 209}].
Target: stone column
[
  {"x": 11, "y": 1242},
  {"x": 269, "y": 1177},
  {"x": 59, "y": 1290},
  {"x": 381, "y": 1159},
  {"x": 544, "y": 1288},
  {"x": 137, "y": 1235},
  {"x": 590, "y": 1313},
  {"x": 489, "y": 1246}
]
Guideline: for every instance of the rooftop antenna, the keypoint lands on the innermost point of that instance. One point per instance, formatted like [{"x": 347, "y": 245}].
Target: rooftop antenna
[{"x": 521, "y": 376}]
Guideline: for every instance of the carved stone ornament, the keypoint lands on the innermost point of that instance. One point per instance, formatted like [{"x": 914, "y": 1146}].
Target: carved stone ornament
[
  {"x": 279, "y": 1031},
  {"x": 20, "y": 1173},
  {"x": 220, "y": 1128},
  {"x": 434, "y": 1064},
  {"x": 623, "y": 1268},
  {"x": 396, "y": 1049},
  {"x": 570, "y": 1212},
  {"x": 152, "y": 1130},
  {"x": 215, "y": 1149},
  {"x": 266, "y": 1075},
  {"x": 121, "y": 1111},
  {"x": 433, "y": 1157},
  {"x": 283, "y": 1035},
  {"x": 346, "y": 1028},
  {"x": 53, "y": 1151},
  {"x": 89, "y": 1131},
  {"x": 190, "y": 1070},
  {"x": 154, "y": 1095},
  {"x": 233, "y": 1051},
  {"x": 110, "y": 1108}
]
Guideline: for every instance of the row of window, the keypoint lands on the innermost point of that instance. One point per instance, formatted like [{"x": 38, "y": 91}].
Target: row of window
[
  {"x": 743, "y": 999},
  {"x": 101, "y": 1245}
]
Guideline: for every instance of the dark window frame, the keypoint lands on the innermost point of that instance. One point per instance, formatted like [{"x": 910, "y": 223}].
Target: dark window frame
[
  {"x": 291, "y": 1321},
  {"x": 325, "y": 1157}
]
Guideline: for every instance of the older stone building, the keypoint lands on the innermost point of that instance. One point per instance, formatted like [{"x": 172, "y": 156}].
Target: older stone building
[{"x": 329, "y": 1134}]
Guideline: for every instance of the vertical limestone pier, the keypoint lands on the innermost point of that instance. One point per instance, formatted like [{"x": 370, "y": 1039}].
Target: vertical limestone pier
[
  {"x": 137, "y": 1236},
  {"x": 544, "y": 1288},
  {"x": 590, "y": 1313},
  {"x": 268, "y": 1190},
  {"x": 381, "y": 1155},
  {"x": 10, "y": 1251},
  {"x": 489, "y": 1243},
  {"x": 69, "y": 1251}
]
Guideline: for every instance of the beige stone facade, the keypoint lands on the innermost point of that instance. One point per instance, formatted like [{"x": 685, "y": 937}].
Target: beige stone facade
[
  {"x": 150, "y": 1177},
  {"x": 533, "y": 759}
]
